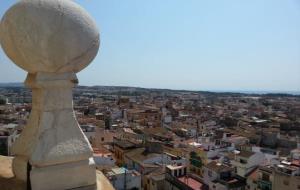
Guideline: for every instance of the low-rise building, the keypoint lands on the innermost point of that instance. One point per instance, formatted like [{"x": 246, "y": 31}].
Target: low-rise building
[
  {"x": 89, "y": 131},
  {"x": 265, "y": 178},
  {"x": 287, "y": 175},
  {"x": 177, "y": 178},
  {"x": 221, "y": 177},
  {"x": 123, "y": 179},
  {"x": 103, "y": 159},
  {"x": 120, "y": 148},
  {"x": 246, "y": 161},
  {"x": 155, "y": 180}
]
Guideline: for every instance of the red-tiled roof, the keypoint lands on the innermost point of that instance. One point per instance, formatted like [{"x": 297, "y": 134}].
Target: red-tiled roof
[
  {"x": 192, "y": 183},
  {"x": 296, "y": 163}
]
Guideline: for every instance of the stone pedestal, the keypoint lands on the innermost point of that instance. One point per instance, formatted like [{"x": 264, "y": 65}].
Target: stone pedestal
[
  {"x": 52, "y": 149},
  {"x": 51, "y": 40},
  {"x": 58, "y": 176},
  {"x": 9, "y": 182}
]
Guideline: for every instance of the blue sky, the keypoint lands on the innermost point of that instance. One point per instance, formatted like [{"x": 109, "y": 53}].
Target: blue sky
[{"x": 226, "y": 45}]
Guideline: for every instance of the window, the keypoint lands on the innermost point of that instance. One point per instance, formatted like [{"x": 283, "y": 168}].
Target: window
[
  {"x": 209, "y": 173},
  {"x": 102, "y": 138},
  {"x": 175, "y": 173},
  {"x": 265, "y": 177},
  {"x": 225, "y": 175}
]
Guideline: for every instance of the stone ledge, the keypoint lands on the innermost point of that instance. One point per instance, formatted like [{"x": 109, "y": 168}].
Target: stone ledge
[
  {"x": 9, "y": 182},
  {"x": 7, "y": 178}
]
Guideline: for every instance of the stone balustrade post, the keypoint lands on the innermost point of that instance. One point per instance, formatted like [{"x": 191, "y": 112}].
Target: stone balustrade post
[{"x": 52, "y": 40}]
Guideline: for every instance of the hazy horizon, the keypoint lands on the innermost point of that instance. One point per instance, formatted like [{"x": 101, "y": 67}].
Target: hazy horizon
[
  {"x": 180, "y": 89},
  {"x": 231, "y": 46}
]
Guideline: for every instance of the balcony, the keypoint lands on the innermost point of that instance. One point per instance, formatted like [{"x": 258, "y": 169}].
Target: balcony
[{"x": 264, "y": 185}]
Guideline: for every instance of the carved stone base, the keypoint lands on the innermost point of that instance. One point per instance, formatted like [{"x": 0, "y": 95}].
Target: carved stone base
[
  {"x": 64, "y": 176},
  {"x": 52, "y": 152},
  {"x": 8, "y": 180}
]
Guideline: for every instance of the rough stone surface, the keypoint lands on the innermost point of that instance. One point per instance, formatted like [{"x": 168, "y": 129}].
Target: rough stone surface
[
  {"x": 49, "y": 36},
  {"x": 19, "y": 167},
  {"x": 52, "y": 142},
  {"x": 8, "y": 181},
  {"x": 64, "y": 176},
  {"x": 102, "y": 184},
  {"x": 6, "y": 167}
]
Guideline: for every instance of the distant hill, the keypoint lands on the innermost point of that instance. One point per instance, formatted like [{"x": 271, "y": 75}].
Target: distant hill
[
  {"x": 127, "y": 90},
  {"x": 139, "y": 90},
  {"x": 12, "y": 84}
]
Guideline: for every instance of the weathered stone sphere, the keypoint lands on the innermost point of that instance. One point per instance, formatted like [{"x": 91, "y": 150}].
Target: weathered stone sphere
[{"x": 49, "y": 36}]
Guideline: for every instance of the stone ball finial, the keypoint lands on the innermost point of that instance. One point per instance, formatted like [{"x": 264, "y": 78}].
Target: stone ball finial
[{"x": 53, "y": 36}]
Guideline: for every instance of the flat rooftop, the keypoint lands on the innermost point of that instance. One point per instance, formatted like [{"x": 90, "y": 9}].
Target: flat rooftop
[{"x": 192, "y": 183}]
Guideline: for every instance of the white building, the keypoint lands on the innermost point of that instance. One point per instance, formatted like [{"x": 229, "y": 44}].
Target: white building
[
  {"x": 10, "y": 138},
  {"x": 138, "y": 159},
  {"x": 245, "y": 161},
  {"x": 234, "y": 140},
  {"x": 176, "y": 170},
  {"x": 122, "y": 179},
  {"x": 104, "y": 159},
  {"x": 89, "y": 131},
  {"x": 270, "y": 154},
  {"x": 295, "y": 154},
  {"x": 167, "y": 119},
  {"x": 221, "y": 177}
]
